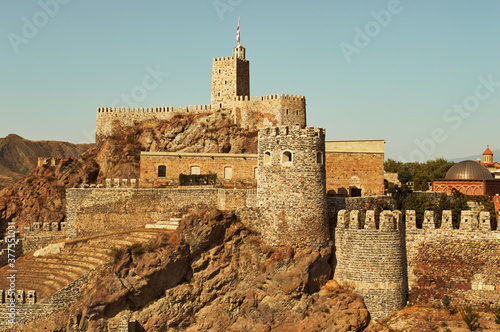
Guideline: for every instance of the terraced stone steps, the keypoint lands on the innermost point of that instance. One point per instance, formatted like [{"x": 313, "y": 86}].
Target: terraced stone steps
[
  {"x": 48, "y": 274},
  {"x": 172, "y": 224}
]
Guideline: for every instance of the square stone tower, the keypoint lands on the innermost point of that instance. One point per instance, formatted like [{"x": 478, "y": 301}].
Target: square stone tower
[{"x": 230, "y": 78}]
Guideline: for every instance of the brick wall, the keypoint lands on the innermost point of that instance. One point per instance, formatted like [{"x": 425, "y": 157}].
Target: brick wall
[
  {"x": 361, "y": 170},
  {"x": 242, "y": 165}
]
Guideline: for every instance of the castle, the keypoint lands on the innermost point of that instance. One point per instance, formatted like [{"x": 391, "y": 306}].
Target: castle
[
  {"x": 299, "y": 177},
  {"x": 298, "y": 198}
]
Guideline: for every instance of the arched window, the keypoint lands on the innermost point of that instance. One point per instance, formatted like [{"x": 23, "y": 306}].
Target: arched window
[
  {"x": 162, "y": 171},
  {"x": 267, "y": 157},
  {"x": 287, "y": 111},
  {"x": 255, "y": 172},
  {"x": 195, "y": 170},
  {"x": 297, "y": 112},
  {"x": 228, "y": 173},
  {"x": 286, "y": 157},
  {"x": 319, "y": 157}
]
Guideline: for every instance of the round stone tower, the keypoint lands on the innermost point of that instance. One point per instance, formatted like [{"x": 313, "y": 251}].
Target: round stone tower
[{"x": 291, "y": 187}]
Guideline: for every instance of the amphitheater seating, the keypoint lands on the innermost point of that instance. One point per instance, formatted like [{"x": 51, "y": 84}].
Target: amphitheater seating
[{"x": 48, "y": 274}]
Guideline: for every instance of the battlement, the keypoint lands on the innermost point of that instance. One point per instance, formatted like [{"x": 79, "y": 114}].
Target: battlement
[
  {"x": 295, "y": 131},
  {"x": 469, "y": 221},
  {"x": 388, "y": 220},
  {"x": 19, "y": 296},
  {"x": 45, "y": 227},
  {"x": 167, "y": 109},
  {"x": 42, "y": 161},
  {"x": 392, "y": 220},
  {"x": 270, "y": 97},
  {"x": 229, "y": 58}
]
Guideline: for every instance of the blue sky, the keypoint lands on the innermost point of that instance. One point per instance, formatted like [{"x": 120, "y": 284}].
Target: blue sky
[{"x": 423, "y": 75}]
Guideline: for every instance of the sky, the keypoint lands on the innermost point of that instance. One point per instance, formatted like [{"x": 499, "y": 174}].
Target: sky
[{"x": 422, "y": 75}]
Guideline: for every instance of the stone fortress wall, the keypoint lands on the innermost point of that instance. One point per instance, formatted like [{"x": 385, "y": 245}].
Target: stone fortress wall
[
  {"x": 94, "y": 211},
  {"x": 268, "y": 111},
  {"x": 28, "y": 308},
  {"x": 394, "y": 261},
  {"x": 461, "y": 263},
  {"x": 128, "y": 116},
  {"x": 372, "y": 260},
  {"x": 291, "y": 186}
]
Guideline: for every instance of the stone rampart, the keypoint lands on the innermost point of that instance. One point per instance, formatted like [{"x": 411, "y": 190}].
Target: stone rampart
[
  {"x": 372, "y": 260},
  {"x": 126, "y": 116},
  {"x": 27, "y": 309},
  {"x": 272, "y": 110},
  {"x": 291, "y": 186},
  {"x": 103, "y": 210},
  {"x": 460, "y": 263}
]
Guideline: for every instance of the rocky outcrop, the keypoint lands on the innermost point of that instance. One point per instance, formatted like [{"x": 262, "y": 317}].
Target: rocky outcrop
[
  {"x": 216, "y": 275},
  {"x": 40, "y": 195}
]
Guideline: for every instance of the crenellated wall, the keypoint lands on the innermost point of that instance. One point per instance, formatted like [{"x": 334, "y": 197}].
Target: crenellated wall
[
  {"x": 372, "y": 260},
  {"x": 268, "y": 111},
  {"x": 460, "y": 263},
  {"x": 126, "y": 116},
  {"x": 382, "y": 264},
  {"x": 291, "y": 186}
]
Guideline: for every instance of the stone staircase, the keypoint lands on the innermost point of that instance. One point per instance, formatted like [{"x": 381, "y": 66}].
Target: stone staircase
[
  {"x": 172, "y": 224},
  {"x": 48, "y": 274}
]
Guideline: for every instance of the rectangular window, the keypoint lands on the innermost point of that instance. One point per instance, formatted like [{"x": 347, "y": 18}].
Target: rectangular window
[
  {"x": 228, "y": 173},
  {"x": 195, "y": 170}
]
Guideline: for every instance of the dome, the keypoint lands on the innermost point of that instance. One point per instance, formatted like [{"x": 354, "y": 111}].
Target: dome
[{"x": 468, "y": 170}]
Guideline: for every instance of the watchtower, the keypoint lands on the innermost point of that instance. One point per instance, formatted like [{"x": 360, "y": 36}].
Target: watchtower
[
  {"x": 291, "y": 187},
  {"x": 230, "y": 78}
]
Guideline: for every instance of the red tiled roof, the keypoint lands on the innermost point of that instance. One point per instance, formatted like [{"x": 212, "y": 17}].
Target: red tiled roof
[{"x": 487, "y": 152}]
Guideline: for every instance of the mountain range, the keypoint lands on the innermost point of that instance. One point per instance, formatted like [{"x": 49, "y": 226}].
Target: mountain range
[{"x": 19, "y": 156}]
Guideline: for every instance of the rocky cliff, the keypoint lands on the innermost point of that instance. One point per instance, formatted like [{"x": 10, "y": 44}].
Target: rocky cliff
[
  {"x": 213, "y": 274},
  {"x": 40, "y": 195}
]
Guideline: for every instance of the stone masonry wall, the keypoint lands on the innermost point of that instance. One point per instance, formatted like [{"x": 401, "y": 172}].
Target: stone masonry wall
[
  {"x": 364, "y": 171},
  {"x": 99, "y": 211},
  {"x": 460, "y": 263},
  {"x": 268, "y": 111},
  {"x": 291, "y": 186},
  {"x": 243, "y": 167},
  {"x": 25, "y": 312},
  {"x": 230, "y": 78},
  {"x": 125, "y": 116},
  {"x": 372, "y": 260}
]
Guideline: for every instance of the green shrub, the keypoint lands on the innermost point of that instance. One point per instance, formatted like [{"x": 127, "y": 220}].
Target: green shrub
[
  {"x": 136, "y": 249},
  {"x": 197, "y": 179},
  {"x": 497, "y": 315},
  {"x": 446, "y": 302},
  {"x": 470, "y": 317},
  {"x": 117, "y": 253}
]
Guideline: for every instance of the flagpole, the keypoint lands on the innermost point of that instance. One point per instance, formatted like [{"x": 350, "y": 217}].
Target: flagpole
[{"x": 238, "y": 33}]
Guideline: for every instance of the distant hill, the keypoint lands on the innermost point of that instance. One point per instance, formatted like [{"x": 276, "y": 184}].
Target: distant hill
[
  {"x": 496, "y": 157},
  {"x": 19, "y": 156}
]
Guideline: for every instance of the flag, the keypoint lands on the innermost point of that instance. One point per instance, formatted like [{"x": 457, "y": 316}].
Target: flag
[{"x": 238, "y": 32}]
